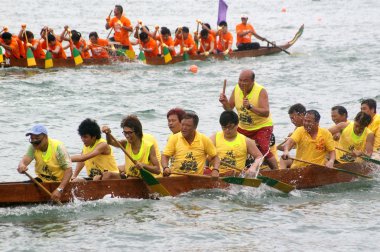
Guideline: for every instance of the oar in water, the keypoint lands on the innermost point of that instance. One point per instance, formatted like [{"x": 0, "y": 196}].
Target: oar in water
[
  {"x": 281, "y": 186},
  {"x": 42, "y": 187},
  {"x": 152, "y": 182},
  {"x": 273, "y": 44},
  {"x": 364, "y": 157},
  {"x": 231, "y": 180},
  {"x": 332, "y": 168}
]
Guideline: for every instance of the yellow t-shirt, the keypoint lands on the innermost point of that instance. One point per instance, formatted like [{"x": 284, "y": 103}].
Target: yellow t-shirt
[
  {"x": 350, "y": 141},
  {"x": 312, "y": 150},
  {"x": 189, "y": 158},
  {"x": 231, "y": 152},
  {"x": 97, "y": 165},
  {"x": 152, "y": 139},
  {"x": 142, "y": 156},
  {"x": 375, "y": 128}
]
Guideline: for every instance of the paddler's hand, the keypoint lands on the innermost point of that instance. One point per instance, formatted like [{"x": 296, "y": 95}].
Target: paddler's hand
[
  {"x": 246, "y": 103},
  {"x": 185, "y": 49},
  {"x": 223, "y": 99},
  {"x": 330, "y": 163},
  {"x": 5, "y": 28},
  {"x": 66, "y": 27},
  {"x": 251, "y": 172},
  {"x": 226, "y": 52},
  {"x": 336, "y": 136},
  {"x": 166, "y": 172},
  {"x": 285, "y": 155},
  {"x": 164, "y": 45},
  {"x": 108, "y": 19},
  {"x": 22, "y": 168},
  {"x": 139, "y": 165},
  {"x": 29, "y": 45},
  {"x": 56, "y": 195},
  {"x": 357, "y": 153},
  {"x": 199, "y": 21},
  {"x": 106, "y": 129},
  {"x": 156, "y": 27},
  {"x": 207, "y": 53},
  {"x": 23, "y": 26},
  {"x": 215, "y": 173}
]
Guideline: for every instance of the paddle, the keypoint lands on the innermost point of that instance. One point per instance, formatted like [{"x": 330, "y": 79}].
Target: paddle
[
  {"x": 281, "y": 186},
  {"x": 42, "y": 187},
  {"x": 364, "y": 157},
  {"x": 165, "y": 51},
  {"x": 185, "y": 53},
  {"x": 141, "y": 53},
  {"x": 230, "y": 180},
  {"x": 109, "y": 16},
  {"x": 333, "y": 168},
  {"x": 74, "y": 52},
  {"x": 152, "y": 182},
  {"x": 48, "y": 56},
  {"x": 273, "y": 44},
  {"x": 30, "y": 60},
  {"x": 224, "y": 86}
]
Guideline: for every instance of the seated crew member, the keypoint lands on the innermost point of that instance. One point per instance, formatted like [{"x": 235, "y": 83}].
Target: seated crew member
[
  {"x": 122, "y": 27},
  {"x": 76, "y": 41},
  {"x": 368, "y": 106},
  {"x": 232, "y": 147},
  {"x": 98, "y": 46},
  {"x": 52, "y": 164},
  {"x": 10, "y": 45},
  {"x": 313, "y": 143},
  {"x": 140, "y": 148},
  {"x": 211, "y": 32},
  {"x": 225, "y": 39},
  {"x": 206, "y": 43},
  {"x": 174, "y": 117},
  {"x": 244, "y": 32},
  {"x": 97, "y": 156},
  {"x": 355, "y": 137},
  {"x": 148, "y": 45},
  {"x": 185, "y": 41},
  {"x": 55, "y": 48},
  {"x": 34, "y": 44},
  {"x": 189, "y": 149},
  {"x": 338, "y": 114},
  {"x": 166, "y": 39},
  {"x": 296, "y": 114}
]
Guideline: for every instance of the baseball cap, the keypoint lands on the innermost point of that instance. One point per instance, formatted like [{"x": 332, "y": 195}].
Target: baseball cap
[
  {"x": 244, "y": 16},
  {"x": 37, "y": 130}
]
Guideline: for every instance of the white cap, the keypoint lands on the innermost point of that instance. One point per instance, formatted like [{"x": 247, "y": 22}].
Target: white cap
[{"x": 244, "y": 16}]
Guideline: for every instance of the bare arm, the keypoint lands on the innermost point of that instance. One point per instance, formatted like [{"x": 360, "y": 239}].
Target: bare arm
[
  {"x": 155, "y": 167},
  {"x": 78, "y": 169},
  {"x": 287, "y": 146},
  {"x": 101, "y": 148},
  {"x": 227, "y": 104},
  {"x": 338, "y": 128},
  {"x": 23, "y": 165},
  {"x": 263, "y": 108}
]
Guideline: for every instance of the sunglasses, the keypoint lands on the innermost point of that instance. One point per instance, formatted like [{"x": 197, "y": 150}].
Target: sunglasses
[{"x": 127, "y": 133}]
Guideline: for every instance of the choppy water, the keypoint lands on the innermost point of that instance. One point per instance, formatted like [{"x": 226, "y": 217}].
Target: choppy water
[{"x": 334, "y": 62}]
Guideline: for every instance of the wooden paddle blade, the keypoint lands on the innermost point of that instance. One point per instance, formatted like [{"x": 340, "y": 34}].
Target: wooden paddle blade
[
  {"x": 153, "y": 183},
  {"x": 352, "y": 173},
  {"x": 281, "y": 186},
  {"x": 375, "y": 161},
  {"x": 242, "y": 181}
]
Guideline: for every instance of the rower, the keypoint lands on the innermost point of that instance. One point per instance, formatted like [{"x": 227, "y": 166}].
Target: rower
[
  {"x": 255, "y": 121},
  {"x": 354, "y": 137},
  {"x": 313, "y": 143},
  {"x": 97, "y": 156},
  {"x": 174, "y": 117},
  {"x": 34, "y": 44},
  {"x": 244, "y": 32},
  {"x": 207, "y": 43},
  {"x": 148, "y": 45},
  {"x": 296, "y": 114},
  {"x": 189, "y": 149},
  {"x": 185, "y": 41},
  {"x": 338, "y": 115},
  {"x": 122, "y": 26},
  {"x": 75, "y": 39},
  {"x": 232, "y": 147},
  {"x": 368, "y": 106},
  {"x": 211, "y": 32},
  {"x": 55, "y": 47},
  {"x": 140, "y": 148},
  {"x": 10, "y": 45},
  {"x": 225, "y": 39},
  {"x": 166, "y": 38},
  {"x": 97, "y": 46},
  {"x": 53, "y": 163}
]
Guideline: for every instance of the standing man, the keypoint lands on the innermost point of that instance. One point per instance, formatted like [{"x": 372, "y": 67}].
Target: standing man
[
  {"x": 313, "y": 143},
  {"x": 189, "y": 149},
  {"x": 232, "y": 147},
  {"x": 53, "y": 163},
  {"x": 368, "y": 106},
  {"x": 255, "y": 121},
  {"x": 244, "y": 32},
  {"x": 122, "y": 26}
]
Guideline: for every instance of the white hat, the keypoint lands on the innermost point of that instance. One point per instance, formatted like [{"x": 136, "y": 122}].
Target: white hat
[{"x": 244, "y": 16}]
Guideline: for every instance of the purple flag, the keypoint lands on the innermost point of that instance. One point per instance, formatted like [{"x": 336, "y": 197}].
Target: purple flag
[{"x": 222, "y": 12}]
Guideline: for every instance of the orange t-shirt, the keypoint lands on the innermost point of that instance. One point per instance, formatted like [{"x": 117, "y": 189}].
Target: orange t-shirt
[
  {"x": 15, "y": 50},
  {"x": 21, "y": 47},
  {"x": 61, "y": 53},
  {"x": 213, "y": 34},
  {"x": 80, "y": 45},
  {"x": 244, "y": 28},
  {"x": 151, "y": 44},
  {"x": 38, "y": 52},
  {"x": 189, "y": 42},
  {"x": 227, "y": 39},
  {"x": 206, "y": 43},
  {"x": 120, "y": 34},
  {"x": 169, "y": 42},
  {"x": 97, "y": 50}
]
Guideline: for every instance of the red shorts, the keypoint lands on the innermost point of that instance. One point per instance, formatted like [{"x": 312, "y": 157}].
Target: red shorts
[{"x": 262, "y": 138}]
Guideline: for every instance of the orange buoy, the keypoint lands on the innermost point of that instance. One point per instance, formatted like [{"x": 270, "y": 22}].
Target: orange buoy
[
  {"x": 193, "y": 68},
  {"x": 283, "y": 9}
]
